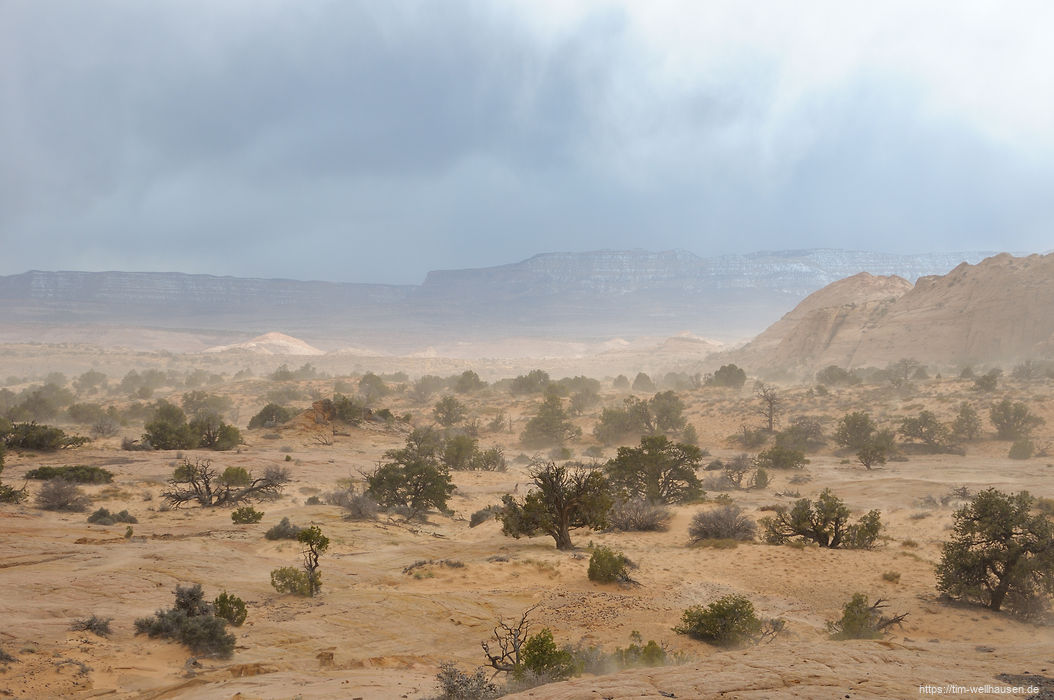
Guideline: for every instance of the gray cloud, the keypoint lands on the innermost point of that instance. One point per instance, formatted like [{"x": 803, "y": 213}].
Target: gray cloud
[{"x": 375, "y": 141}]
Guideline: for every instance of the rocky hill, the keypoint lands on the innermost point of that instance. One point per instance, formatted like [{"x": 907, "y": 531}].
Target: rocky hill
[
  {"x": 587, "y": 296},
  {"x": 999, "y": 310}
]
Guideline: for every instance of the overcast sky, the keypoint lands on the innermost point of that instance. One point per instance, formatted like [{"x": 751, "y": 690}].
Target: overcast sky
[{"x": 373, "y": 141}]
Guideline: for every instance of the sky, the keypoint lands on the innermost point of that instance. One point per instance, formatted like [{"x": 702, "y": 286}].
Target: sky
[{"x": 374, "y": 141}]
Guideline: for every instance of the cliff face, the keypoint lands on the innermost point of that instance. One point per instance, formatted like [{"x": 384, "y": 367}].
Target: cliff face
[
  {"x": 558, "y": 295},
  {"x": 1001, "y": 309},
  {"x": 787, "y": 272},
  {"x": 130, "y": 289}
]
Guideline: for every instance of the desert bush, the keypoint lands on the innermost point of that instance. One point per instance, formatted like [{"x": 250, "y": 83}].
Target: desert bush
[
  {"x": 804, "y": 433},
  {"x": 284, "y": 530},
  {"x": 290, "y": 579},
  {"x": 541, "y": 656},
  {"x": 722, "y": 523},
  {"x": 230, "y": 608},
  {"x": 59, "y": 494},
  {"x": 357, "y": 506},
  {"x": 198, "y": 481},
  {"x": 246, "y": 515},
  {"x": 926, "y": 429},
  {"x": 483, "y": 515},
  {"x": 854, "y": 430},
  {"x": 491, "y": 459},
  {"x": 105, "y": 427},
  {"x": 727, "y": 376},
  {"x": 1013, "y": 420},
  {"x": 608, "y": 566},
  {"x": 104, "y": 517},
  {"x": 749, "y": 438},
  {"x": 307, "y": 580},
  {"x": 191, "y": 622},
  {"x": 45, "y": 438},
  {"x": 833, "y": 375},
  {"x": 727, "y": 622},
  {"x": 987, "y": 383},
  {"x": 99, "y": 626},
  {"x": 448, "y": 411},
  {"x": 131, "y": 445},
  {"x": 550, "y": 426},
  {"x": 826, "y": 523},
  {"x": 871, "y": 454},
  {"x": 270, "y": 416},
  {"x": 1021, "y": 449},
  {"x": 79, "y": 474},
  {"x": 639, "y": 654},
  {"x": 967, "y": 424},
  {"x": 781, "y": 458},
  {"x": 638, "y": 515},
  {"x": 454, "y": 684},
  {"x": 862, "y": 620},
  {"x": 9, "y": 494},
  {"x": 891, "y": 576}
]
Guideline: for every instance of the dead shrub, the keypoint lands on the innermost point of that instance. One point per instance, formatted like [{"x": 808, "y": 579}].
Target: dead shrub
[
  {"x": 59, "y": 494},
  {"x": 638, "y": 515},
  {"x": 723, "y": 523}
]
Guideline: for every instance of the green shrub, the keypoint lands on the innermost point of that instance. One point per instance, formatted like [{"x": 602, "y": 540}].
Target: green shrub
[
  {"x": 1022, "y": 449},
  {"x": 191, "y": 622},
  {"x": 541, "y": 656},
  {"x": 46, "y": 438},
  {"x": 638, "y": 655},
  {"x": 728, "y": 622},
  {"x": 781, "y": 458},
  {"x": 271, "y": 415},
  {"x": 290, "y": 579},
  {"x": 826, "y": 523},
  {"x": 79, "y": 474},
  {"x": 104, "y": 517},
  {"x": 284, "y": 530},
  {"x": 862, "y": 620},
  {"x": 246, "y": 515},
  {"x": 235, "y": 476},
  {"x": 608, "y": 566},
  {"x": 230, "y": 608}
]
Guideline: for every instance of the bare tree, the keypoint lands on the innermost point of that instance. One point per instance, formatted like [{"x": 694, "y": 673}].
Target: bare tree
[
  {"x": 509, "y": 640},
  {"x": 771, "y": 405},
  {"x": 198, "y": 481}
]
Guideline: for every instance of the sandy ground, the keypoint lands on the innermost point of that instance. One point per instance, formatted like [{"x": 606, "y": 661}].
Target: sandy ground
[{"x": 377, "y": 632}]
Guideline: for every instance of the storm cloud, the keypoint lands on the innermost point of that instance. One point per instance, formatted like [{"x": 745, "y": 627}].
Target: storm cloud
[{"x": 373, "y": 141}]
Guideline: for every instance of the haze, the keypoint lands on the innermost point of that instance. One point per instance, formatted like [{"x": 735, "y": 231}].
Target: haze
[{"x": 372, "y": 142}]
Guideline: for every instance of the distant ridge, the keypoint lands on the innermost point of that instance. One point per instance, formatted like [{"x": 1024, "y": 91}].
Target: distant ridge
[{"x": 587, "y": 296}]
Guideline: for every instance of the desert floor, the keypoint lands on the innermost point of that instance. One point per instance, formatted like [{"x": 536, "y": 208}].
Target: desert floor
[{"x": 377, "y": 631}]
